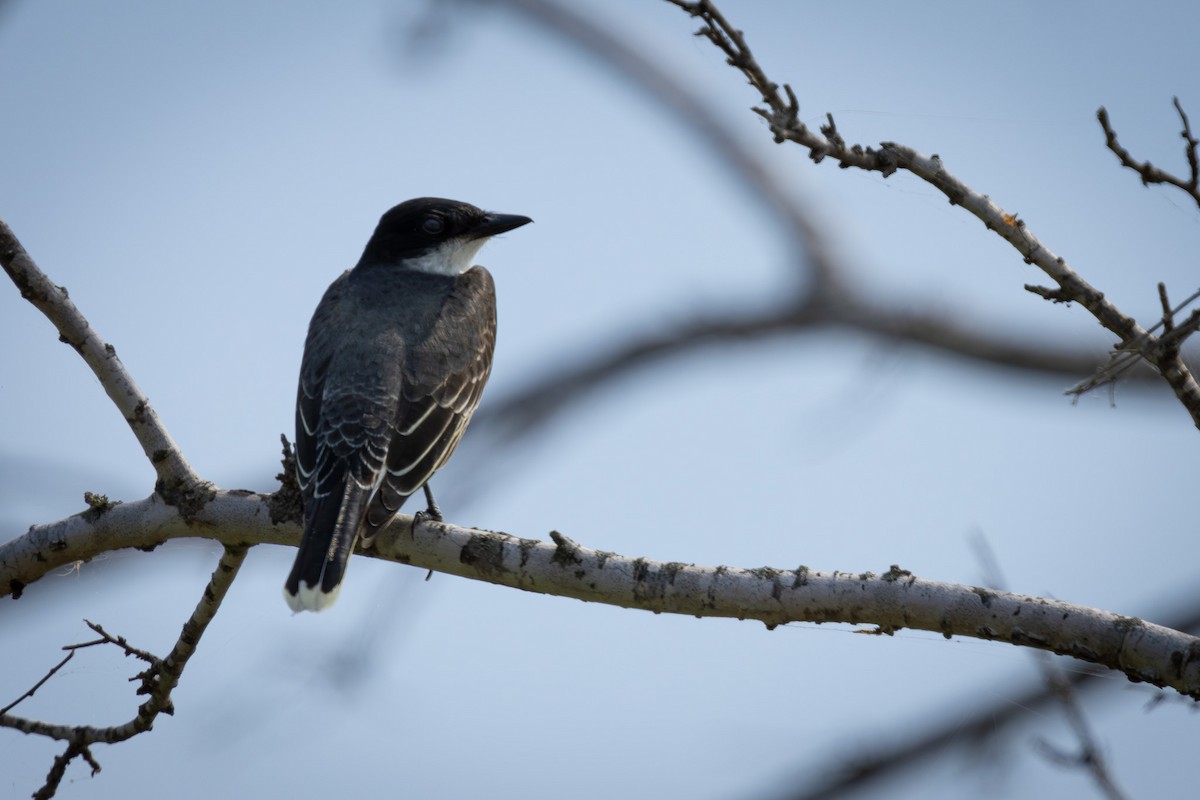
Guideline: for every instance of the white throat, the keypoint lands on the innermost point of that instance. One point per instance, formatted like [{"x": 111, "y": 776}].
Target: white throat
[{"x": 452, "y": 258}]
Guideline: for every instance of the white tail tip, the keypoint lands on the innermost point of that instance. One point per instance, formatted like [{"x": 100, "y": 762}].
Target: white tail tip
[{"x": 310, "y": 598}]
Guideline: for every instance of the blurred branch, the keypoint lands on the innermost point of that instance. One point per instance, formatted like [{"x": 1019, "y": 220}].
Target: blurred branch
[
  {"x": 1150, "y": 173},
  {"x": 157, "y": 681},
  {"x": 841, "y": 775},
  {"x": 1089, "y": 756},
  {"x": 535, "y": 404},
  {"x": 782, "y": 115},
  {"x": 804, "y": 238},
  {"x": 970, "y": 728},
  {"x": 178, "y": 483},
  {"x": 894, "y": 600},
  {"x": 871, "y": 765}
]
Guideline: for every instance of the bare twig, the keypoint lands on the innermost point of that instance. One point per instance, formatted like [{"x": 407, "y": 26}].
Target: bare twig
[
  {"x": 33, "y": 689},
  {"x": 892, "y": 156},
  {"x": 1150, "y": 173},
  {"x": 783, "y": 119},
  {"x": 157, "y": 682},
  {"x": 830, "y": 301},
  {"x": 119, "y": 641},
  {"x": 59, "y": 768},
  {"x": 1121, "y": 361}
]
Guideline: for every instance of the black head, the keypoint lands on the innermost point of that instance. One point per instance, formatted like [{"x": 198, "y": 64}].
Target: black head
[{"x": 438, "y": 233}]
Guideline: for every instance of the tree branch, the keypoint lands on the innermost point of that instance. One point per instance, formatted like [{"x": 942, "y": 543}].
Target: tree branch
[
  {"x": 890, "y": 601},
  {"x": 1150, "y": 173},
  {"x": 158, "y": 681},
  {"x": 1122, "y": 361},
  {"x": 535, "y": 403},
  {"x": 30, "y": 692},
  {"x": 177, "y": 482},
  {"x": 783, "y": 118},
  {"x": 829, "y": 300}
]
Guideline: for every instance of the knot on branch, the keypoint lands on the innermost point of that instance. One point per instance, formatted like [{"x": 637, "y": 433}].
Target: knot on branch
[
  {"x": 187, "y": 496},
  {"x": 887, "y": 159},
  {"x": 484, "y": 553},
  {"x": 285, "y": 505},
  {"x": 566, "y": 551},
  {"x": 97, "y": 504}
]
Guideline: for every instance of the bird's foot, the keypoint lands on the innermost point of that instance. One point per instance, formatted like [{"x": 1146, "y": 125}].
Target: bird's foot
[
  {"x": 432, "y": 510},
  {"x": 433, "y": 513}
]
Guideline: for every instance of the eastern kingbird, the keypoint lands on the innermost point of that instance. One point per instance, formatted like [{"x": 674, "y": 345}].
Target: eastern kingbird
[{"x": 396, "y": 358}]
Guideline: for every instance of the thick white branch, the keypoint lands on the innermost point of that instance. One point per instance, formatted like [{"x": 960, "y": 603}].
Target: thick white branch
[{"x": 890, "y": 600}]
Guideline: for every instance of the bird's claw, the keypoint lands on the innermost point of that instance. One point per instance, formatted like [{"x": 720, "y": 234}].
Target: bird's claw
[{"x": 433, "y": 514}]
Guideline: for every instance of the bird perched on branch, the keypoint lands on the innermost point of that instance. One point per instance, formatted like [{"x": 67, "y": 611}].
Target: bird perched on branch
[{"x": 397, "y": 354}]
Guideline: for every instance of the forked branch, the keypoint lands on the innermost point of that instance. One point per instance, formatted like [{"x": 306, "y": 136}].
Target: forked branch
[
  {"x": 1150, "y": 173},
  {"x": 157, "y": 681},
  {"x": 782, "y": 115}
]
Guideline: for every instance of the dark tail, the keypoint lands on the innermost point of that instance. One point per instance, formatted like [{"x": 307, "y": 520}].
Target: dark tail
[{"x": 330, "y": 533}]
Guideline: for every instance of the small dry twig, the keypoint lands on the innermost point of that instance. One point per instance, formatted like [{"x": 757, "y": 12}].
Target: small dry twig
[
  {"x": 1150, "y": 173},
  {"x": 783, "y": 118},
  {"x": 829, "y": 301},
  {"x": 158, "y": 681}
]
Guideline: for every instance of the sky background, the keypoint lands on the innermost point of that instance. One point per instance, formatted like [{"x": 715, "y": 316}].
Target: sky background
[{"x": 197, "y": 173}]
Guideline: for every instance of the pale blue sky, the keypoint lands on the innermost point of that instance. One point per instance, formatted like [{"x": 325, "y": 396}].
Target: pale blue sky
[{"x": 197, "y": 173}]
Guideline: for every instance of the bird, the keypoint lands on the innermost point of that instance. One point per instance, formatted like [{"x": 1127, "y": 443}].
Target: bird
[{"x": 395, "y": 361}]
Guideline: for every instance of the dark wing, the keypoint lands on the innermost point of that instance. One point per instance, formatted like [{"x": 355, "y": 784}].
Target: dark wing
[
  {"x": 318, "y": 352},
  {"x": 344, "y": 403},
  {"x": 444, "y": 375}
]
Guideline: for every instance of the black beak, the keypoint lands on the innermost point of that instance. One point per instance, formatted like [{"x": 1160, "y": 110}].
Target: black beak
[{"x": 493, "y": 224}]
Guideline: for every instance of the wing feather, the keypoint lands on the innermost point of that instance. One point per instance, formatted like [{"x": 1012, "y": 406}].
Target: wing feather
[{"x": 444, "y": 375}]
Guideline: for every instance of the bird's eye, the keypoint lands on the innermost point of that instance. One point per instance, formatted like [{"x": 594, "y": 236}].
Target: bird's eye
[{"x": 433, "y": 225}]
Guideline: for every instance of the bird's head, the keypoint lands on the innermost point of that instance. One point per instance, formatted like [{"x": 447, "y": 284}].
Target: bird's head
[{"x": 432, "y": 234}]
